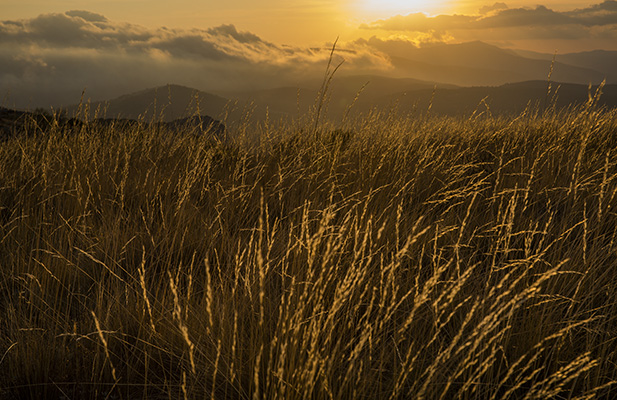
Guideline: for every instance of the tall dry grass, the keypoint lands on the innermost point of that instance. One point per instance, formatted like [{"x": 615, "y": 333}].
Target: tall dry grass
[{"x": 406, "y": 257}]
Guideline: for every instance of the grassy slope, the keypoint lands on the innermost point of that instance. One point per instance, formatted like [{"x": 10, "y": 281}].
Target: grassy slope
[{"x": 424, "y": 257}]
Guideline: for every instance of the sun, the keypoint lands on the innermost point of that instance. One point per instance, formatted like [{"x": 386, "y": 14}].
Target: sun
[{"x": 385, "y": 8}]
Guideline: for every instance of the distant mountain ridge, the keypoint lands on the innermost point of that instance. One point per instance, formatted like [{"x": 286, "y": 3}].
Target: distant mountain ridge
[
  {"x": 509, "y": 99},
  {"x": 444, "y": 66},
  {"x": 386, "y": 63},
  {"x": 601, "y": 60},
  {"x": 163, "y": 103},
  {"x": 356, "y": 93},
  {"x": 343, "y": 91},
  {"x": 481, "y": 64}
]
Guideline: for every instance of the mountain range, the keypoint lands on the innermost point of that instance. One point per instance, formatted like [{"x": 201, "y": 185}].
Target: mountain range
[
  {"x": 289, "y": 102},
  {"x": 602, "y": 61},
  {"x": 166, "y": 103},
  {"x": 481, "y": 64},
  {"x": 453, "y": 79}
]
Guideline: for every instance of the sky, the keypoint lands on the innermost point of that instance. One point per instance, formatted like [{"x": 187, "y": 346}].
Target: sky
[
  {"x": 51, "y": 50},
  {"x": 294, "y": 22}
]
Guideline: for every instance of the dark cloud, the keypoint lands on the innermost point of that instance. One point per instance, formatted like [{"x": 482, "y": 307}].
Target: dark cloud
[
  {"x": 189, "y": 45},
  {"x": 599, "y": 14},
  {"x": 522, "y": 17},
  {"x": 87, "y": 16},
  {"x": 72, "y": 29},
  {"x": 232, "y": 32},
  {"x": 495, "y": 7},
  {"x": 53, "y": 57}
]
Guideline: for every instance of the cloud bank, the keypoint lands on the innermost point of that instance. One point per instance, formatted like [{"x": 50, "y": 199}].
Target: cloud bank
[
  {"x": 50, "y": 59},
  {"x": 593, "y": 24}
]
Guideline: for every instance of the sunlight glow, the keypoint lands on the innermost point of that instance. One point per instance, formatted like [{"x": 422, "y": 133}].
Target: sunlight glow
[{"x": 380, "y": 8}]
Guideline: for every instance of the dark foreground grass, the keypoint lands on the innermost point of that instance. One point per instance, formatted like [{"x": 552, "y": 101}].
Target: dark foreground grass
[{"x": 425, "y": 258}]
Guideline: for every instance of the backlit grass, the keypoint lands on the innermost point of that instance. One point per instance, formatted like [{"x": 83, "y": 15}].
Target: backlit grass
[{"x": 403, "y": 257}]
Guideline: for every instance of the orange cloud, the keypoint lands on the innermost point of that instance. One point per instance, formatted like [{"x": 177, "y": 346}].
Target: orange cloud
[{"x": 512, "y": 23}]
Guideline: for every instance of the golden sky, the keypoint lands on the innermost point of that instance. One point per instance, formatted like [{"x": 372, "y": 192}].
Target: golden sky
[{"x": 297, "y": 22}]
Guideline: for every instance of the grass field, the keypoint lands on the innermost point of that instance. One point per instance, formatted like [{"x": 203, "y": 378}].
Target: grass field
[{"x": 405, "y": 257}]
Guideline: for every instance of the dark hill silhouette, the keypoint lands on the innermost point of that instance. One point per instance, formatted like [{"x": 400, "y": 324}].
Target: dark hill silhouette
[
  {"x": 16, "y": 122},
  {"x": 457, "y": 75},
  {"x": 164, "y": 103},
  {"x": 601, "y": 60},
  {"x": 510, "y": 98},
  {"x": 380, "y": 93},
  {"x": 342, "y": 93},
  {"x": 346, "y": 88},
  {"x": 506, "y": 99},
  {"x": 283, "y": 101},
  {"x": 478, "y": 63}
]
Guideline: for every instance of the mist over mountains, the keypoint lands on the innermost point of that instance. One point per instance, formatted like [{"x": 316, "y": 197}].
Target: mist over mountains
[
  {"x": 452, "y": 79},
  {"x": 410, "y": 68},
  {"x": 171, "y": 102},
  {"x": 51, "y": 59},
  {"x": 126, "y": 70},
  {"x": 481, "y": 64},
  {"x": 602, "y": 61}
]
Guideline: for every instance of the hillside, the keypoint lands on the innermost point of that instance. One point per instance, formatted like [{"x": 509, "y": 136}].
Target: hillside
[
  {"x": 165, "y": 103},
  {"x": 478, "y": 63},
  {"x": 446, "y": 100},
  {"x": 364, "y": 92},
  {"x": 509, "y": 99},
  {"x": 600, "y": 60},
  {"x": 16, "y": 123}
]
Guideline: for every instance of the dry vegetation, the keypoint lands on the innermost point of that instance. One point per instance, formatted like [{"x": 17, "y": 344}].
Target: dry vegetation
[{"x": 418, "y": 257}]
